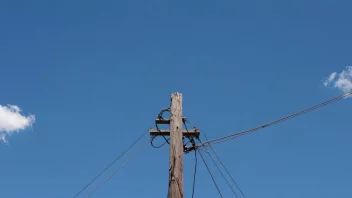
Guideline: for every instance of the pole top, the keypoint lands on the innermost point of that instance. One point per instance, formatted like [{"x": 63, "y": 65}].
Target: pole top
[{"x": 176, "y": 93}]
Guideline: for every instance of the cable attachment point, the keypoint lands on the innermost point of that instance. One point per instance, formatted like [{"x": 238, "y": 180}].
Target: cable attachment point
[
  {"x": 160, "y": 115},
  {"x": 187, "y": 149}
]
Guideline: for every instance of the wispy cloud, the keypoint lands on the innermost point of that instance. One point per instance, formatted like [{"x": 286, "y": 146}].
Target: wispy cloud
[
  {"x": 12, "y": 120},
  {"x": 341, "y": 81},
  {"x": 330, "y": 79}
]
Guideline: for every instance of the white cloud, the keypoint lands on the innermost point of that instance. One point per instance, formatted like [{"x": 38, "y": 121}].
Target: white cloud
[
  {"x": 3, "y": 137},
  {"x": 342, "y": 81},
  {"x": 12, "y": 120},
  {"x": 330, "y": 79}
]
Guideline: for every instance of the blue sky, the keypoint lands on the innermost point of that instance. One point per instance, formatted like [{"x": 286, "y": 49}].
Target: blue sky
[{"x": 95, "y": 75}]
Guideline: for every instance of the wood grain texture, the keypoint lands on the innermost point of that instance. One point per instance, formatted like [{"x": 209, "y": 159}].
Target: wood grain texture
[{"x": 176, "y": 148}]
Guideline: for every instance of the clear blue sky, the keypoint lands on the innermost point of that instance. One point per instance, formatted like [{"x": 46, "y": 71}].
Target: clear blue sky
[{"x": 96, "y": 73}]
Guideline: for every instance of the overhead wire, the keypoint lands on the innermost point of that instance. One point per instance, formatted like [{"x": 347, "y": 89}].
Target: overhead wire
[
  {"x": 112, "y": 163},
  {"x": 167, "y": 141},
  {"x": 229, "y": 137},
  {"x": 190, "y": 138},
  {"x": 195, "y": 172},
  {"x": 211, "y": 175},
  {"x": 216, "y": 155},
  {"x": 117, "y": 170},
  {"x": 160, "y": 117},
  {"x": 222, "y": 174},
  {"x": 222, "y": 164}
]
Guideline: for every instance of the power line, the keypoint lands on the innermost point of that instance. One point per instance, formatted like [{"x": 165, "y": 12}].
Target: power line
[
  {"x": 222, "y": 174},
  {"x": 152, "y": 144},
  {"x": 195, "y": 172},
  {"x": 216, "y": 155},
  {"x": 107, "y": 179},
  {"x": 222, "y": 164},
  {"x": 96, "y": 177},
  {"x": 157, "y": 128},
  {"x": 229, "y": 137},
  {"x": 211, "y": 175},
  {"x": 160, "y": 117}
]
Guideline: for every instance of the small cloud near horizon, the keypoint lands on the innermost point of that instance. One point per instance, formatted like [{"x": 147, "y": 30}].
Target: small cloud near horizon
[
  {"x": 12, "y": 120},
  {"x": 341, "y": 81}
]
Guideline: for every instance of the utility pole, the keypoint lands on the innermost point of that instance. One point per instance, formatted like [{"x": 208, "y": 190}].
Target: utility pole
[
  {"x": 176, "y": 148},
  {"x": 176, "y": 143}
]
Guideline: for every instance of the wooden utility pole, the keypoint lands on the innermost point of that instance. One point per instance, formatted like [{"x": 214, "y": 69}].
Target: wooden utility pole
[
  {"x": 176, "y": 143},
  {"x": 176, "y": 148}
]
